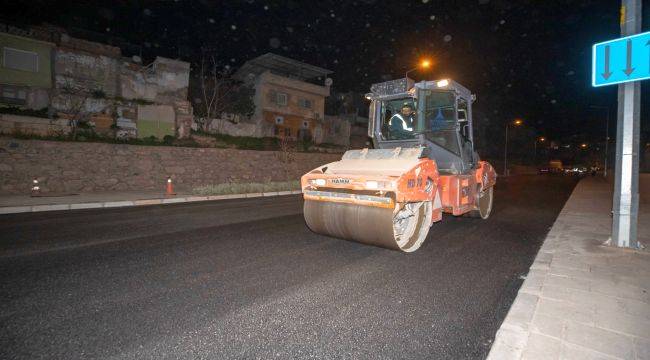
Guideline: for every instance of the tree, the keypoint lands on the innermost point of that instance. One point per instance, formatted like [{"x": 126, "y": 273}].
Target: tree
[
  {"x": 286, "y": 155},
  {"x": 77, "y": 107},
  {"x": 220, "y": 93}
]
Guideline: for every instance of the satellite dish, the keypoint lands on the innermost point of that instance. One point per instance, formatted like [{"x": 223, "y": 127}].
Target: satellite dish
[
  {"x": 329, "y": 82},
  {"x": 136, "y": 59}
]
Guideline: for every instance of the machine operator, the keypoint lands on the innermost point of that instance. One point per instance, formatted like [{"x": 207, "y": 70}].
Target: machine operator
[{"x": 402, "y": 122}]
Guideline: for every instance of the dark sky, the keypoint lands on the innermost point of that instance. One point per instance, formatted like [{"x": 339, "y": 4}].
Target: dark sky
[{"x": 523, "y": 58}]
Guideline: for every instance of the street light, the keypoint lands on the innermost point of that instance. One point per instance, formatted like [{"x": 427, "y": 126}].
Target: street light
[
  {"x": 516, "y": 122},
  {"x": 539, "y": 139},
  {"x": 583, "y": 146},
  {"x": 424, "y": 64}
]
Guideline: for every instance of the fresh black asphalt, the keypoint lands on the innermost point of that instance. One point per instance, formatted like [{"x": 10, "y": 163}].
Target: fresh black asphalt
[{"x": 246, "y": 279}]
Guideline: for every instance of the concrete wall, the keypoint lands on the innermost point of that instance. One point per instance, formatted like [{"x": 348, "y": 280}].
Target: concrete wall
[
  {"x": 336, "y": 130},
  {"x": 80, "y": 70},
  {"x": 164, "y": 81},
  {"x": 75, "y": 167},
  {"x": 221, "y": 126},
  {"x": 156, "y": 120}
]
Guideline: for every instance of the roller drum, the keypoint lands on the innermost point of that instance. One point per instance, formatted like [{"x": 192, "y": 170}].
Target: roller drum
[{"x": 403, "y": 230}]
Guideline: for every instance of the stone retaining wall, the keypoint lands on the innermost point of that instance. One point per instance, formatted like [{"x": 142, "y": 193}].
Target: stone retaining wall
[{"x": 88, "y": 167}]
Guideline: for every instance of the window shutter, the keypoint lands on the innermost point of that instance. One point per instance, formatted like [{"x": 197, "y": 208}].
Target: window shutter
[{"x": 20, "y": 60}]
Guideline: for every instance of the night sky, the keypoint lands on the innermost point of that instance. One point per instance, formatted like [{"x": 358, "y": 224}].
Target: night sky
[{"x": 523, "y": 58}]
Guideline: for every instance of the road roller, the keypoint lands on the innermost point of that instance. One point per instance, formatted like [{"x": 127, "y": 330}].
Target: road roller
[{"x": 422, "y": 165}]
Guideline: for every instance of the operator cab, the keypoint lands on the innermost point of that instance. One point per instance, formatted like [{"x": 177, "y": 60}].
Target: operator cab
[{"x": 433, "y": 114}]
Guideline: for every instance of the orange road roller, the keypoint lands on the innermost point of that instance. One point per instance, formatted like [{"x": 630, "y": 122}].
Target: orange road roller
[{"x": 423, "y": 165}]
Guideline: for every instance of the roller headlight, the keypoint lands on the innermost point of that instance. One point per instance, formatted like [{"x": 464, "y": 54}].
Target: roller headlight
[{"x": 371, "y": 185}]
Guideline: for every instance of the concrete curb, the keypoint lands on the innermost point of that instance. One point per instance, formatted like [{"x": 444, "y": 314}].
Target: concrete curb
[{"x": 143, "y": 202}]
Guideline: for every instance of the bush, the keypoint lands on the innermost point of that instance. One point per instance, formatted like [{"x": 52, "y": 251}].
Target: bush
[
  {"x": 149, "y": 140},
  {"x": 245, "y": 142},
  {"x": 305, "y": 145},
  {"x": 168, "y": 140},
  {"x": 98, "y": 94},
  {"x": 13, "y": 110},
  {"x": 246, "y": 188}
]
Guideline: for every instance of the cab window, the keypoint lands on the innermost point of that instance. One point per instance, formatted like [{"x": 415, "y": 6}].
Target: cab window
[{"x": 399, "y": 119}]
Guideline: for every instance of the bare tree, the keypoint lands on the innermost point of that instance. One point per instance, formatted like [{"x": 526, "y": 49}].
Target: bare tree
[
  {"x": 77, "y": 109},
  {"x": 216, "y": 85},
  {"x": 220, "y": 93},
  {"x": 209, "y": 89},
  {"x": 287, "y": 154}
]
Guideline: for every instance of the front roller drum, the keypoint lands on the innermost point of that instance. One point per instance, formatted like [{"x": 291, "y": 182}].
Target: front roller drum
[{"x": 404, "y": 229}]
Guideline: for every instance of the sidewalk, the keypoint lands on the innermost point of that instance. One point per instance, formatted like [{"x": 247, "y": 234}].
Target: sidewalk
[
  {"x": 581, "y": 299},
  {"x": 10, "y": 204}
]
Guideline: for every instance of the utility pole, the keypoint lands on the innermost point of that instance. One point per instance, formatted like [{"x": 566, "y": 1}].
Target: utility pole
[
  {"x": 606, "y": 143},
  {"x": 626, "y": 183},
  {"x": 505, "y": 156},
  {"x": 516, "y": 122}
]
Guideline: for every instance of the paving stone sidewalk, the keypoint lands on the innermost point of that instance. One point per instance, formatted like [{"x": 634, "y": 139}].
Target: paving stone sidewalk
[{"x": 582, "y": 299}]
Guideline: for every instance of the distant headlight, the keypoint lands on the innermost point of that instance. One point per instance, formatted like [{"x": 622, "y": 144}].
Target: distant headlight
[
  {"x": 372, "y": 185},
  {"x": 319, "y": 182}
]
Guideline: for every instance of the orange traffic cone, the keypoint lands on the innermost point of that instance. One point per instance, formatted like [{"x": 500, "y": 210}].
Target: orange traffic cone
[
  {"x": 36, "y": 190},
  {"x": 170, "y": 187}
]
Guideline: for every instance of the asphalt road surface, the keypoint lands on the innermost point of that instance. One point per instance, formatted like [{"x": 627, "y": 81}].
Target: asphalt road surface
[{"x": 247, "y": 279}]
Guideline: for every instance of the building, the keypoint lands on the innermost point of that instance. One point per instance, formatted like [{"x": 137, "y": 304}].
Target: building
[
  {"x": 25, "y": 71},
  {"x": 84, "y": 81},
  {"x": 288, "y": 100}
]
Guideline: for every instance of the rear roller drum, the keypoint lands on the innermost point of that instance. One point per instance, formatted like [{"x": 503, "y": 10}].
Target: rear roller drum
[{"x": 403, "y": 230}]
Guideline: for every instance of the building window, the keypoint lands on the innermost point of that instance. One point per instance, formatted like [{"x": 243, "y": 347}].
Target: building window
[
  {"x": 279, "y": 120},
  {"x": 305, "y": 124},
  {"x": 19, "y": 59},
  {"x": 10, "y": 94},
  {"x": 276, "y": 130},
  {"x": 281, "y": 99},
  {"x": 305, "y": 103},
  {"x": 287, "y": 132}
]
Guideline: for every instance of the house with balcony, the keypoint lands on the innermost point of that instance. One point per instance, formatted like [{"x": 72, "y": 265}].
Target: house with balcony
[{"x": 289, "y": 97}]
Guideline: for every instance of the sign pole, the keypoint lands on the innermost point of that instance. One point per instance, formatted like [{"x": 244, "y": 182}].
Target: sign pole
[
  {"x": 505, "y": 155},
  {"x": 626, "y": 183}
]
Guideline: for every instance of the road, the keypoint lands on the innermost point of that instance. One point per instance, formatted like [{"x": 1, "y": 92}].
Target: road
[{"x": 246, "y": 279}]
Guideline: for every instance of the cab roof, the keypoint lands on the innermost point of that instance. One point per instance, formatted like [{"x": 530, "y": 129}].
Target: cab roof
[{"x": 397, "y": 88}]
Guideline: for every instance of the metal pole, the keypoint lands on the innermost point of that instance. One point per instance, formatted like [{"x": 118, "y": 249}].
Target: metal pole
[
  {"x": 535, "y": 157},
  {"x": 406, "y": 75},
  {"x": 505, "y": 157},
  {"x": 626, "y": 183},
  {"x": 606, "y": 142}
]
